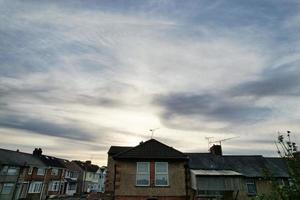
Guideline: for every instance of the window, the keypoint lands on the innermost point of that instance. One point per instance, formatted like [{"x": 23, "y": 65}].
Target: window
[
  {"x": 251, "y": 187},
  {"x": 41, "y": 171},
  {"x": 161, "y": 174},
  {"x": 72, "y": 186},
  {"x": 4, "y": 170},
  {"x": 7, "y": 188},
  {"x": 54, "y": 186},
  {"x": 30, "y": 170},
  {"x": 54, "y": 172},
  {"x": 35, "y": 187},
  {"x": 12, "y": 171},
  {"x": 73, "y": 174},
  {"x": 143, "y": 174}
]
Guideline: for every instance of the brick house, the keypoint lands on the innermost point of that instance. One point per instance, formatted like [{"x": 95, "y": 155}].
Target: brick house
[
  {"x": 218, "y": 176},
  {"x": 90, "y": 176},
  {"x": 72, "y": 177},
  {"x": 151, "y": 170},
  {"x": 16, "y": 168},
  {"x": 48, "y": 180}
]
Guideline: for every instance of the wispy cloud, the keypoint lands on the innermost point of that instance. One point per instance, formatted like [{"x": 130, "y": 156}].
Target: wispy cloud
[{"x": 103, "y": 73}]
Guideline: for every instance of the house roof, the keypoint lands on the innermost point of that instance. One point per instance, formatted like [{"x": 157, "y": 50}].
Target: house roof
[
  {"x": 85, "y": 166},
  {"x": 72, "y": 166},
  {"x": 151, "y": 149},
  {"x": 51, "y": 161},
  {"x": 250, "y": 166},
  {"x": 19, "y": 158},
  {"x": 277, "y": 166},
  {"x": 113, "y": 150}
]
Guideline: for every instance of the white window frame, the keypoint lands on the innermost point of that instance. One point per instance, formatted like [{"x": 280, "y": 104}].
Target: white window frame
[
  {"x": 35, "y": 187},
  {"x": 8, "y": 185},
  {"x": 142, "y": 173},
  {"x": 40, "y": 174},
  {"x": 162, "y": 173}
]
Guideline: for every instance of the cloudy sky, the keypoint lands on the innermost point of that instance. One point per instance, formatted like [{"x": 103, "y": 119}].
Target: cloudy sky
[{"x": 79, "y": 76}]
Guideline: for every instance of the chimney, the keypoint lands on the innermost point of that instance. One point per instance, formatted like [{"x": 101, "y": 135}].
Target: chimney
[
  {"x": 88, "y": 162},
  {"x": 37, "y": 152},
  {"x": 216, "y": 150}
]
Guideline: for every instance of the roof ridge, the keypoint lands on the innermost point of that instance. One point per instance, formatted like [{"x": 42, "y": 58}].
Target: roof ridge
[{"x": 15, "y": 151}]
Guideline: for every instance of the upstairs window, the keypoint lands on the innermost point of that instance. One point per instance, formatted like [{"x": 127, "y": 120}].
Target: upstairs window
[
  {"x": 251, "y": 187},
  {"x": 161, "y": 174},
  {"x": 41, "y": 171},
  {"x": 54, "y": 172},
  {"x": 12, "y": 171},
  {"x": 143, "y": 174}
]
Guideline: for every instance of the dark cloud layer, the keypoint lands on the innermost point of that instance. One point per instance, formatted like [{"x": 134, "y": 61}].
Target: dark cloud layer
[
  {"x": 44, "y": 127},
  {"x": 280, "y": 81},
  {"x": 211, "y": 107}
]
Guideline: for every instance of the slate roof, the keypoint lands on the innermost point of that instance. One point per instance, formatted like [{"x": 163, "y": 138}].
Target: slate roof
[
  {"x": 151, "y": 149},
  {"x": 51, "y": 161},
  {"x": 250, "y": 166},
  {"x": 72, "y": 166},
  {"x": 19, "y": 158},
  {"x": 113, "y": 150},
  {"x": 86, "y": 167}
]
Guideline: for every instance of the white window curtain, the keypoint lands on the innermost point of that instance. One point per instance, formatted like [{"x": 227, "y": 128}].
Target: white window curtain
[{"x": 143, "y": 174}]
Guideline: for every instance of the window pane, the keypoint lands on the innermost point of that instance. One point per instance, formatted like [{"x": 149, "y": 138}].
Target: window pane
[
  {"x": 251, "y": 189},
  {"x": 12, "y": 171},
  {"x": 161, "y": 167},
  {"x": 41, "y": 171},
  {"x": 142, "y": 179},
  {"x": 143, "y": 167},
  {"x": 7, "y": 188},
  {"x": 161, "y": 179}
]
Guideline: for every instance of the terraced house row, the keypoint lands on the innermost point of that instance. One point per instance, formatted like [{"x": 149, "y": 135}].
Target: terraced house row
[
  {"x": 155, "y": 171},
  {"x": 38, "y": 176}
]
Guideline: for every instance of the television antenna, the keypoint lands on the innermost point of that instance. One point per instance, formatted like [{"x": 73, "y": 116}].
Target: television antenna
[
  {"x": 152, "y": 132},
  {"x": 223, "y": 140}
]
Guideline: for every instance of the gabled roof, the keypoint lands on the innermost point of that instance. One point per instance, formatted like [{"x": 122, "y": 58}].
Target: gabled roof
[
  {"x": 249, "y": 166},
  {"x": 151, "y": 149},
  {"x": 86, "y": 166},
  {"x": 19, "y": 158},
  {"x": 113, "y": 150}
]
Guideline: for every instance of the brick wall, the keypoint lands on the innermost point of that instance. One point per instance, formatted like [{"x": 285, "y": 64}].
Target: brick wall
[{"x": 126, "y": 179}]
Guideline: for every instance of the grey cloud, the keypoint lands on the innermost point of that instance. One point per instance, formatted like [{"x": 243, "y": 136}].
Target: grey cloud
[
  {"x": 280, "y": 81},
  {"x": 209, "y": 107},
  {"x": 44, "y": 127}
]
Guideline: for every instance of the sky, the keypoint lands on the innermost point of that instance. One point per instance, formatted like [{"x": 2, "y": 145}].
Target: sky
[{"x": 77, "y": 77}]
